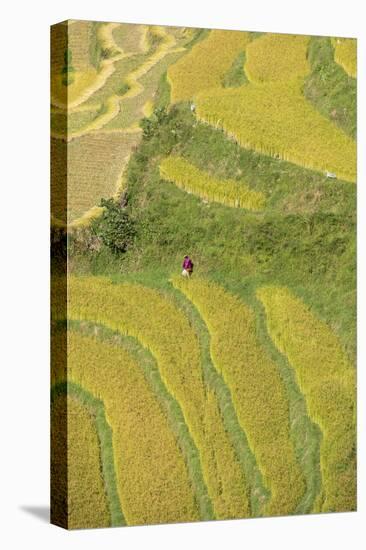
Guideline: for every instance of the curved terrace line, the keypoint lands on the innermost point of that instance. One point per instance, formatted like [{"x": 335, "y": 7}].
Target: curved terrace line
[
  {"x": 115, "y": 101},
  {"x": 128, "y": 308},
  {"x": 259, "y": 492},
  {"x": 307, "y": 438},
  {"x": 148, "y": 363},
  {"x": 104, "y": 433},
  {"x": 105, "y": 35},
  {"x": 256, "y": 387}
]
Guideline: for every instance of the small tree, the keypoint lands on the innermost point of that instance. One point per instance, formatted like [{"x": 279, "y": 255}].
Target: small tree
[
  {"x": 114, "y": 227},
  {"x": 150, "y": 124}
]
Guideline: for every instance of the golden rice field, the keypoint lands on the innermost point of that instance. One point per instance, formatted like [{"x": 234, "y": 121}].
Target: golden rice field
[
  {"x": 142, "y": 91},
  {"x": 277, "y": 57},
  {"x": 286, "y": 126},
  {"x": 193, "y": 180},
  {"x": 205, "y": 65},
  {"x": 157, "y": 488},
  {"x": 95, "y": 164},
  {"x": 157, "y": 480},
  {"x": 345, "y": 54},
  {"x": 128, "y": 309},
  {"x": 255, "y": 385},
  {"x": 99, "y": 111},
  {"x": 79, "y": 37},
  {"x": 328, "y": 382},
  {"x": 84, "y": 470},
  {"x": 269, "y": 115},
  {"x": 129, "y": 38}
]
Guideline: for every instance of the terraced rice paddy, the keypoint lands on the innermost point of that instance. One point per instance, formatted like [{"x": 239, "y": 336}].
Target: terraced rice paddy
[
  {"x": 276, "y": 57},
  {"x": 84, "y": 470},
  {"x": 270, "y": 115},
  {"x": 328, "y": 381},
  {"x": 95, "y": 164},
  {"x": 109, "y": 97},
  {"x": 212, "y": 483},
  {"x": 157, "y": 488},
  {"x": 79, "y": 38},
  {"x": 169, "y": 338},
  {"x": 345, "y": 54},
  {"x": 285, "y": 126},
  {"x": 191, "y": 179},
  {"x": 205, "y": 66},
  {"x": 256, "y": 386},
  {"x": 130, "y": 38},
  {"x": 231, "y": 393},
  {"x": 133, "y": 104}
]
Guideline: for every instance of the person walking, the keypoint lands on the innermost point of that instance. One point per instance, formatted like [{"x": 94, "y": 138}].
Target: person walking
[{"x": 187, "y": 267}]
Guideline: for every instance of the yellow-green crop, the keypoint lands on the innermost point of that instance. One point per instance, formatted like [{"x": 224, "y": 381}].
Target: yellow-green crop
[
  {"x": 345, "y": 54},
  {"x": 152, "y": 477},
  {"x": 79, "y": 35},
  {"x": 277, "y": 57},
  {"x": 271, "y": 115},
  {"x": 162, "y": 328},
  {"x": 275, "y": 119},
  {"x": 257, "y": 389},
  {"x": 193, "y": 180},
  {"x": 87, "y": 500},
  {"x": 327, "y": 380},
  {"x": 206, "y": 64},
  {"x": 94, "y": 170}
]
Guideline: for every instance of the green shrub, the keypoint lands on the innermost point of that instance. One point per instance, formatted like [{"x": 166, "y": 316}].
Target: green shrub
[
  {"x": 114, "y": 227},
  {"x": 151, "y": 124},
  {"x": 107, "y": 53}
]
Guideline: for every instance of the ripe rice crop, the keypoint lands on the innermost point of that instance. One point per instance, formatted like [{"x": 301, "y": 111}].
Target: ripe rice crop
[
  {"x": 123, "y": 67},
  {"x": 87, "y": 500},
  {"x": 133, "y": 82},
  {"x": 257, "y": 389},
  {"x": 152, "y": 477},
  {"x": 280, "y": 57},
  {"x": 66, "y": 124},
  {"x": 75, "y": 36},
  {"x": 132, "y": 105},
  {"x": 88, "y": 81},
  {"x": 153, "y": 319},
  {"x": 131, "y": 38},
  {"x": 58, "y": 461},
  {"x": 58, "y": 47},
  {"x": 62, "y": 386},
  {"x": 94, "y": 169},
  {"x": 193, "y": 180},
  {"x": 79, "y": 36},
  {"x": 206, "y": 64},
  {"x": 327, "y": 380},
  {"x": 58, "y": 180},
  {"x": 98, "y": 150},
  {"x": 83, "y": 86},
  {"x": 233, "y": 502},
  {"x": 275, "y": 119},
  {"x": 345, "y": 54}
]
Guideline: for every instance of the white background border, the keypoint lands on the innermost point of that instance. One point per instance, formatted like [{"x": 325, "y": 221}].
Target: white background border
[{"x": 24, "y": 176}]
